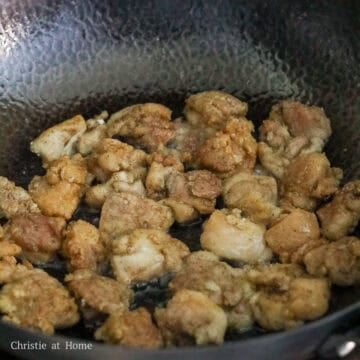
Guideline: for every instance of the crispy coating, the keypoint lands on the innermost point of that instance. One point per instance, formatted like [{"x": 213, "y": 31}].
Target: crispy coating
[
  {"x": 286, "y": 296},
  {"x": 232, "y": 237},
  {"x": 145, "y": 254},
  {"x": 112, "y": 156},
  {"x": 58, "y": 193},
  {"x": 230, "y": 150},
  {"x": 341, "y": 215},
  {"x": 225, "y": 286},
  {"x": 39, "y": 236},
  {"x": 8, "y": 248},
  {"x": 125, "y": 212},
  {"x": 191, "y": 317},
  {"x": 292, "y": 129},
  {"x": 293, "y": 235},
  {"x": 213, "y": 109},
  {"x": 182, "y": 211},
  {"x": 255, "y": 195},
  {"x": 82, "y": 246},
  {"x": 147, "y": 125},
  {"x": 308, "y": 180},
  {"x": 98, "y": 294},
  {"x": 14, "y": 200},
  {"x": 38, "y": 301},
  {"x": 59, "y": 140},
  {"x": 10, "y": 269},
  {"x": 130, "y": 328},
  {"x": 338, "y": 260}
]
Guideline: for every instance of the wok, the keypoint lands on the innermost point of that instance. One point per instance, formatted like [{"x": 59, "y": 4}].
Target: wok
[{"x": 63, "y": 57}]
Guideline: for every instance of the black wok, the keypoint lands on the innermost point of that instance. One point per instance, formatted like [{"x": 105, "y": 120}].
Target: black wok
[{"x": 62, "y": 57}]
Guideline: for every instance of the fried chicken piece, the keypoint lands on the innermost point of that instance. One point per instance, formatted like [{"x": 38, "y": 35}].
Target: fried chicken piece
[
  {"x": 232, "y": 237},
  {"x": 308, "y": 180},
  {"x": 338, "y": 260},
  {"x": 122, "y": 181},
  {"x": 225, "y": 286},
  {"x": 341, "y": 215},
  {"x": 146, "y": 254},
  {"x": 147, "y": 125},
  {"x": 292, "y": 129},
  {"x": 182, "y": 212},
  {"x": 130, "y": 328},
  {"x": 58, "y": 193},
  {"x": 124, "y": 212},
  {"x": 213, "y": 109},
  {"x": 82, "y": 246},
  {"x": 38, "y": 301},
  {"x": 286, "y": 296},
  {"x": 8, "y": 249},
  {"x": 59, "y": 140},
  {"x": 230, "y": 150},
  {"x": 191, "y": 317},
  {"x": 112, "y": 156},
  {"x": 10, "y": 269},
  {"x": 96, "y": 131},
  {"x": 98, "y": 294},
  {"x": 39, "y": 236},
  {"x": 293, "y": 235},
  {"x": 14, "y": 200},
  {"x": 255, "y": 195}
]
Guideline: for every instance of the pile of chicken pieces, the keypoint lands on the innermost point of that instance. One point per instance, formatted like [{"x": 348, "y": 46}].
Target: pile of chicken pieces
[{"x": 268, "y": 257}]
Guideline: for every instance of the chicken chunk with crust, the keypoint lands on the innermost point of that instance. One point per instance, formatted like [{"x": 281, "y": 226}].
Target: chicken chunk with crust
[
  {"x": 130, "y": 328},
  {"x": 58, "y": 193},
  {"x": 213, "y": 109},
  {"x": 38, "y": 301},
  {"x": 82, "y": 247},
  {"x": 14, "y": 200},
  {"x": 147, "y": 125},
  {"x": 124, "y": 212},
  {"x": 59, "y": 140},
  {"x": 341, "y": 215},
  {"x": 230, "y": 236},
  {"x": 98, "y": 294},
  {"x": 255, "y": 195},
  {"x": 292, "y": 129},
  {"x": 230, "y": 150},
  {"x": 308, "y": 179},
  {"x": 190, "y": 317},
  {"x": 224, "y": 285},
  {"x": 338, "y": 260},
  {"x": 145, "y": 254}
]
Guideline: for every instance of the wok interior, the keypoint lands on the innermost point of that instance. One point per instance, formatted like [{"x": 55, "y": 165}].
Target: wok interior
[{"x": 97, "y": 56}]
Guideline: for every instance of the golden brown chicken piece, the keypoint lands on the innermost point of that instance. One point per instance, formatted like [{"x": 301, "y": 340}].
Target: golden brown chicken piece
[
  {"x": 286, "y": 296},
  {"x": 14, "y": 200},
  {"x": 82, "y": 247},
  {"x": 8, "y": 248},
  {"x": 125, "y": 212},
  {"x": 213, "y": 109},
  {"x": 58, "y": 193},
  {"x": 293, "y": 235},
  {"x": 38, "y": 301},
  {"x": 112, "y": 156},
  {"x": 292, "y": 129},
  {"x": 98, "y": 294},
  {"x": 39, "y": 236},
  {"x": 130, "y": 328},
  {"x": 10, "y": 269},
  {"x": 96, "y": 131},
  {"x": 230, "y": 236},
  {"x": 308, "y": 180},
  {"x": 147, "y": 125},
  {"x": 225, "y": 286},
  {"x": 190, "y": 317},
  {"x": 59, "y": 140},
  {"x": 230, "y": 150},
  {"x": 341, "y": 215},
  {"x": 338, "y": 260},
  {"x": 255, "y": 195},
  {"x": 145, "y": 254}
]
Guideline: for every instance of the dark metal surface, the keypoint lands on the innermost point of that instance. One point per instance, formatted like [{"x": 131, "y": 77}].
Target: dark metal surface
[{"x": 62, "y": 57}]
